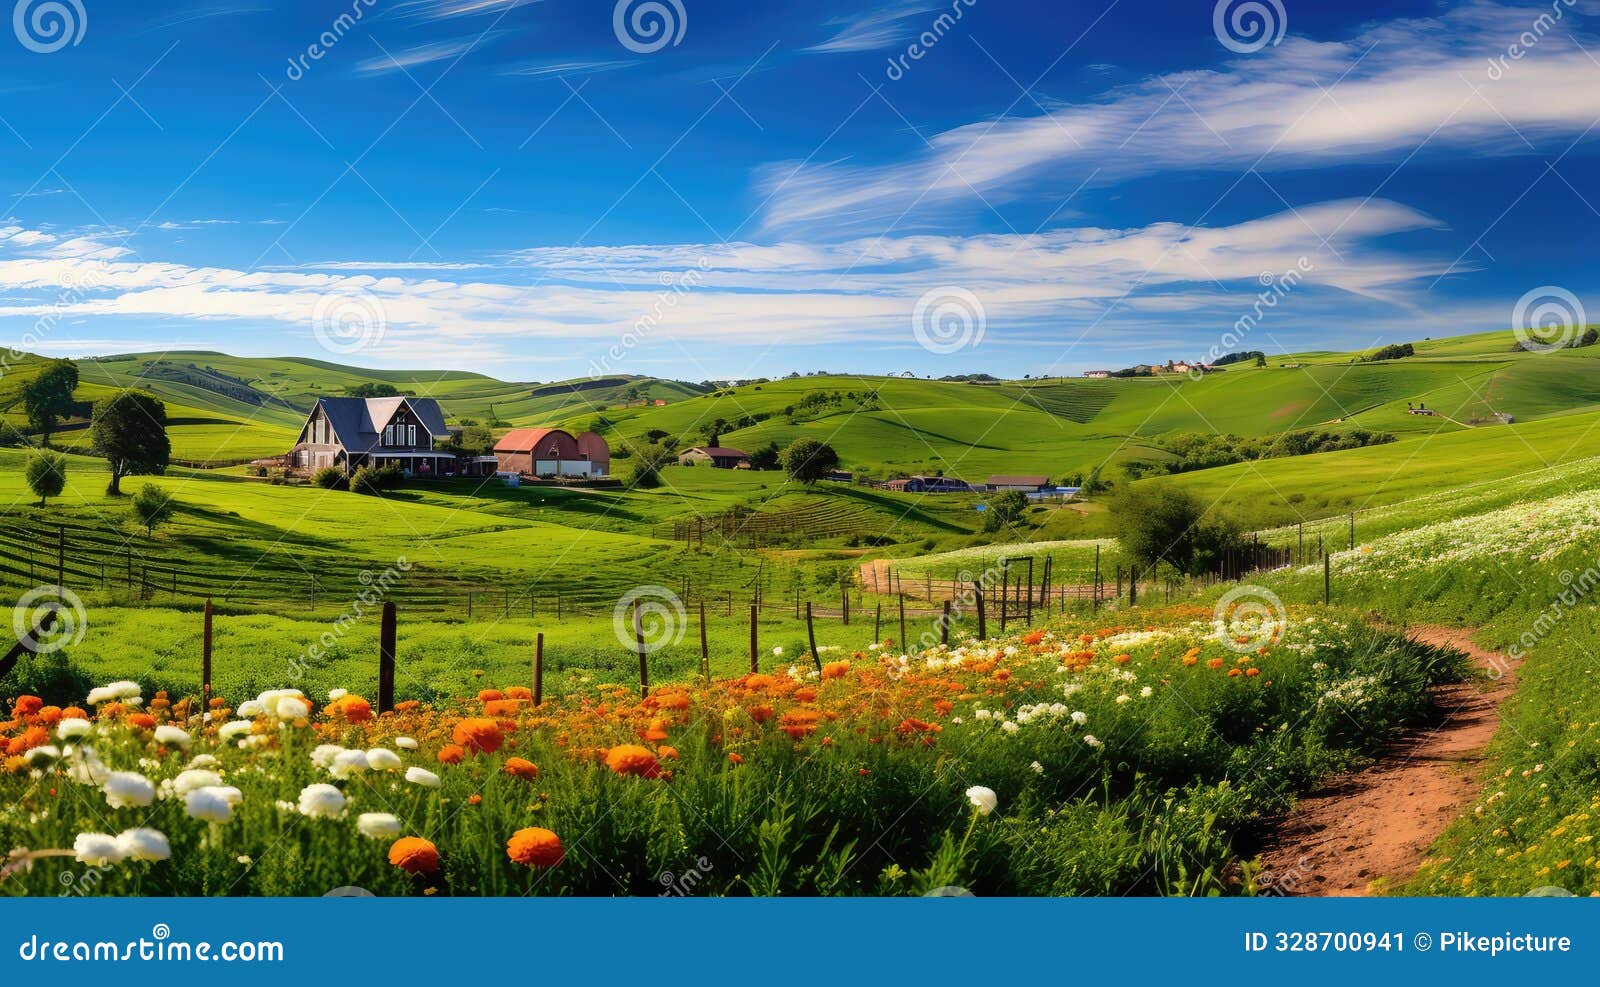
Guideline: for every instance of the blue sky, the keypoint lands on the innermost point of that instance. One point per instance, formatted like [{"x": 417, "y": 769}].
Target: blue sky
[{"x": 730, "y": 189}]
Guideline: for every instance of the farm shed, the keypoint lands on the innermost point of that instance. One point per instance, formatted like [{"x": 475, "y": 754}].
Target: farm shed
[
  {"x": 552, "y": 452},
  {"x": 720, "y": 457},
  {"x": 1027, "y": 484},
  {"x": 930, "y": 484}
]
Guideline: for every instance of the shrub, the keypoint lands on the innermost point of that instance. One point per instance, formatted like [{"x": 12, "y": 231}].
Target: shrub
[
  {"x": 366, "y": 481},
  {"x": 46, "y": 474},
  {"x": 329, "y": 478},
  {"x": 151, "y": 505}
]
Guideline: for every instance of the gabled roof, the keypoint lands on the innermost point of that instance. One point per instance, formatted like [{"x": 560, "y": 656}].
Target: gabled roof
[
  {"x": 721, "y": 452},
  {"x": 356, "y": 422},
  {"x": 524, "y": 439}
]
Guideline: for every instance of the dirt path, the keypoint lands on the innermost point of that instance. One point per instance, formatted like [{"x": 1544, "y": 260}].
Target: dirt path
[{"x": 1378, "y": 823}]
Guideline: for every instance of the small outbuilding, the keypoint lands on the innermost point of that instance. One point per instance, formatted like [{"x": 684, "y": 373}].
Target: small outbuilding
[
  {"x": 720, "y": 457},
  {"x": 552, "y": 452},
  {"x": 1027, "y": 484}
]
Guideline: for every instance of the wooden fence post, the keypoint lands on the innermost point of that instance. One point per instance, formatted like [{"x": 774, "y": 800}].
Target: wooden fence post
[
  {"x": 538, "y": 669},
  {"x": 754, "y": 639},
  {"x": 877, "y": 625},
  {"x": 1327, "y": 579},
  {"x": 844, "y": 603},
  {"x": 1097, "y": 577},
  {"x": 944, "y": 625},
  {"x": 983, "y": 626},
  {"x": 811, "y": 636},
  {"x": 1030, "y": 591},
  {"x": 61, "y": 558},
  {"x": 705, "y": 650},
  {"x": 1133, "y": 586},
  {"x": 205, "y": 661},
  {"x": 386, "y": 638},
  {"x": 638, "y": 643},
  {"x": 903, "y": 648}
]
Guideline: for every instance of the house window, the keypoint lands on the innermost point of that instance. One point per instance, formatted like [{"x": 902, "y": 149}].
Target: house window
[{"x": 411, "y": 435}]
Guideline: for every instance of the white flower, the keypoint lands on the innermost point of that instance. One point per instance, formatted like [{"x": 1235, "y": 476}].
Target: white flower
[
  {"x": 383, "y": 759},
  {"x": 235, "y": 728},
  {"x": 1009, "y": 727},
  {"x": 293, "y": 708},
  {"x": 96, "y": 849},
  {"x": 423, "y": 777},
  {"x": 114, "y": 691},
  {"x": 1123, "y": 698},
  {"x": 1092, "y": 740},
  {"x": 272, "y": 703},
  {"x": 378, "y": 825},
  {"x": 208, "y": 805},
  {"x": 128, "y": 790},
  {"x": 983, "y": 799},
  {"x": 1080, "y": 717},
  {"x": 321, "y": 801},
  {"x": 86, "y": 768},
  {"x": 323, "y": 756},
  {"x": 405, "y": 743},
  {"x": 194, "y": 778},
  {"x": 334, "y": 695},
  {"x": 41, "y": 755},
  {"x": 251, "y": 708},
  {"x": 777, "y": 652},
  {"x": 203, "y": 761},
  {"x": 73, "y": 727},
  {"x": 1146, "y": 692},
  {"x": 347, "y": 763},
  {"x": 1038, "y": 768},
  {"x": 143, "y": 844},
  {"x": 171, "y": 736}
]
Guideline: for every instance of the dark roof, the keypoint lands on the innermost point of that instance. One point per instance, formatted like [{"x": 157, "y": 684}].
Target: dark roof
[
  {"x": 356, "y": 422},
  {"x": 1018, "y": 481},
  {"x": 721, "y": 452}
]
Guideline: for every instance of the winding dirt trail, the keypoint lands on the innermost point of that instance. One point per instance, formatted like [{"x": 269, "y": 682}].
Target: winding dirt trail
[{"x": 1378, "y": 823}]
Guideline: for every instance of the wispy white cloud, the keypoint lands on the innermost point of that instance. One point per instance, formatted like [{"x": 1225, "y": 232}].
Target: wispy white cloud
[
  {"x": 446, "y": 9},
  {"x": 572, "y": 68},
  {"x": 433, "y": 51},
  {"x": 1378, "y": 95},
  {"x": 883, "y": 26}
]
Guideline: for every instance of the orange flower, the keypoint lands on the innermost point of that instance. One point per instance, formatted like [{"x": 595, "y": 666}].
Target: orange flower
[
  {"x": 535, "y": 847},
  {"x": 490, "y": 695},
  {"x": 451, "y": 754},
  {"x": 835, "y": 670},
  {"x": 657, "y": 731},
  {"x": 519, "y": 692},
  {"x": 1214, "y": 663},
  {"x": 26, "y": 706},
  {"x": 1122, "y": 659},
  {"x": 1190, "y": 659},
  {"x": 351, "y": 708},
  {"x": 414, "y": 855},
  {"x": 761, "y": 714},
  {"x": 478, "y": 735},
  {"x": 667, "y": 753},
  {"x": 474, "y": 799},
  {"x": 800, "y": 722},
  {"x": 631, "y": 759},
  {"x": 1233, "y": 673},
  {"x": 518, "y": 767},
  {"x": 1032, "y": 638},
  {"x": 502, "y": 707},
  {"x": 74, "y": 713},
  {"x": 1251, "y": 673},
  {"x": 143, "y": 721},
  {"x": 735, "y": 759},
  {"x": 759, "y": 681}
]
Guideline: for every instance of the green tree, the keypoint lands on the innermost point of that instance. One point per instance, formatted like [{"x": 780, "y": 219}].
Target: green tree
[
  {"x": 473, "y": 440},
  {"x": 129, "y": 430},
  {"x": 373, "y": 390},
  {"x": 47, "y": 398},
  {"x": 809, "y": 460},
  {"x": 152, "y": 506},
  {"x": 766, "y": 457},
  {"x": 1157, "y": 523},
  {"x": 46, "y": 473},
  {"x": 1004, "y": 510},
  {"x": 646, "y": 476}
]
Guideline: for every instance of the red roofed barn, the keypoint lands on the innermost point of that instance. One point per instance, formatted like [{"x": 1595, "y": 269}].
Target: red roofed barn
[{"x": 552, "y": 452}]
